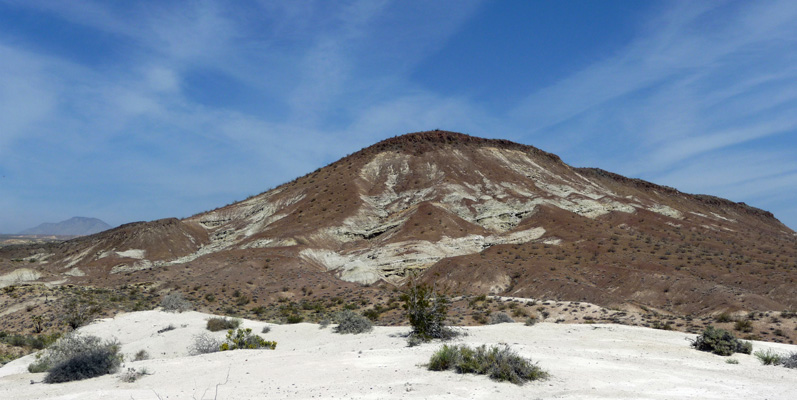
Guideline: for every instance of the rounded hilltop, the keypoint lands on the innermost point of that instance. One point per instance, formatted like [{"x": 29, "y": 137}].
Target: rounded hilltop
[{"x": 417, "y": 143}]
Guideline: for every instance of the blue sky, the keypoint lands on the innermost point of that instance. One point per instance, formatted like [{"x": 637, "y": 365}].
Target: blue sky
[{"x": 130, "y": 111}]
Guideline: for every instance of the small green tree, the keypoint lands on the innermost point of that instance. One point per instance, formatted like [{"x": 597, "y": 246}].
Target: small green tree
[{"x": 426, "y": 310}]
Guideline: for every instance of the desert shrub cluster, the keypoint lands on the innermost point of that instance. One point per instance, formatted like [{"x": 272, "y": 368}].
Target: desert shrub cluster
[
  {"x": 76, "y": 357},
  {"x": 721, "y": 342},
  {"x": 499, "y": 363},
  {"x": 216, "y": 324},
  {"x": 351, "y": 322}
]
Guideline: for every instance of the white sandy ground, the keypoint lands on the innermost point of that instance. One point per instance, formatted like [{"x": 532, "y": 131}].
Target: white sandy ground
[{"x": 585, "y": 362}]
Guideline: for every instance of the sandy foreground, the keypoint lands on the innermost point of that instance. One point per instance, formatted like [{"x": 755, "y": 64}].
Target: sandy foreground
[{"x": 585, "y": 362}]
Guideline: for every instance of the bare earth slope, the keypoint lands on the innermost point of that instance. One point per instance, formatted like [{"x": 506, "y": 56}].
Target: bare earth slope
[{"x": 473, "y": 215}]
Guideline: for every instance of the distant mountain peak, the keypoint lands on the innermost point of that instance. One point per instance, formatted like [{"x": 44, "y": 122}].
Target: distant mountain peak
[{"x": 75, "y": 226}]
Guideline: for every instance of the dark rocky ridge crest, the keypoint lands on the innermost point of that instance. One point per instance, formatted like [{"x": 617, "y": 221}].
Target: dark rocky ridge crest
[
  {"x": 417, "y": 143},
  {"x": 703, "y": 198}
]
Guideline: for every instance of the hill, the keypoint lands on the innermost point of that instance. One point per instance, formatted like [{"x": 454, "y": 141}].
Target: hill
[
  {"x": 470, "y": 215},
  {"x": 75, "y": 226}
]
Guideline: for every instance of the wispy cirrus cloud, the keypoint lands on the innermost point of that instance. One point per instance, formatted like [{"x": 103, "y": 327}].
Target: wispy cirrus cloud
[
  {"x": 693, "y": 103},
  {"x": 158, "y": 118},
  {"x": 169, "y": 108}
]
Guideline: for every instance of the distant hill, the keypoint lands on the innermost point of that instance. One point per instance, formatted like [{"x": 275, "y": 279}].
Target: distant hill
[{"x": 75, "y": 226}]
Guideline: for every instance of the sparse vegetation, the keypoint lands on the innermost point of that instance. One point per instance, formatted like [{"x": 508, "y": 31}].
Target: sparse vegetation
[
  {"x": 216, "y": 324},
  {"x": 244, "y": 339},
  {"x": 721, "y": 342},
  {"x": 531, "y": 320},
  {"x": 351, "y": 322},
  {"x": 743, "y": 325},
  {"x": 500, "y": 318},
  {"x": 768, "y": 357},
  {"x": 204, "y": 343},
  {"x": 77, "y": 312},
  {"x": 132, "y": 375},
  {"x": 175, "y": 302},
  {"x": 499, "y": 363},
  {"x": 37, "y": 342},
  {"x": 731, "y": 361},
  {"x": 141, "y": 355},
  {"x": 789, "y": 361},
  {"x": 723, "y": 317}
]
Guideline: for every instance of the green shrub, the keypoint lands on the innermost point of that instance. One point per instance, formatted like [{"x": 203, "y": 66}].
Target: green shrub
[
  {"x": 768, "y": 357},
  {"x": 531, "y": 320},
  {"x": 175, "y": 302},
  {"x": 351, "y": 322},
  {"x": 141, "y": 355},
  {"x": 426, "y": 311},
  {"x": 499, "y": 363},
  {"x": 85, "y": 365},
  {"x": 721, "y": 342},
  {"x": 743, "y": 325},
  {"x": 216, "y": 324},
  {"x": 723, "y": 317},
  {"x": 244, "y": 339},
  {"x": 731, "y": 361},
  {"x": 294, "y": 319},
  {"x": 666, "y": 326}
]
